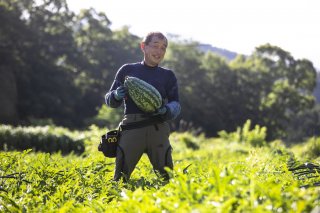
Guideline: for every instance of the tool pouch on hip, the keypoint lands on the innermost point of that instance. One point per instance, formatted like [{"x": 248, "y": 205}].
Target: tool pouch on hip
[{"x": 109, "y": 142}]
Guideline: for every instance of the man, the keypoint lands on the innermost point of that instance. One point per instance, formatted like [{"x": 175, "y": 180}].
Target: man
[{"x": 152, "y": 139}]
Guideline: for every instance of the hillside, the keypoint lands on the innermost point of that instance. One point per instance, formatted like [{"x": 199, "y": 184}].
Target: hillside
[{"x": 229, "y": 55}]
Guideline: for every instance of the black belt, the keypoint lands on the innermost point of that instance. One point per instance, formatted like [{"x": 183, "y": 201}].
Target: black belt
[{"x": 154, "y": 120}]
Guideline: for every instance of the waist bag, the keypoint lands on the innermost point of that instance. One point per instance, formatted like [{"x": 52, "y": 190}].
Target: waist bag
[{"x": 109, "y": 141}]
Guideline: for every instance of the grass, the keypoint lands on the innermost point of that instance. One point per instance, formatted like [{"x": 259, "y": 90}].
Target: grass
[{"x": 210, "y": 175}]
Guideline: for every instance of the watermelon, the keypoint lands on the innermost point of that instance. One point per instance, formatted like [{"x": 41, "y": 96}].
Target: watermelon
[{"x": 143, "y": 94}]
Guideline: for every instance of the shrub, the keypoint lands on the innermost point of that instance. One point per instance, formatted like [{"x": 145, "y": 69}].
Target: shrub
[
  {"x": 312, "y": 148},
  {"x": 40, "y": 139},
  {"x": 247, "y": 135}
]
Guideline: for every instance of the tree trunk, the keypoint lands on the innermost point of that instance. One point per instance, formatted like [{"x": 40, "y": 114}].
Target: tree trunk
[{"x": 8, "y": 97}]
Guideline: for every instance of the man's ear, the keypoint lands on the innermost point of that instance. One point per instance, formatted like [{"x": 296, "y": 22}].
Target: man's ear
[{"x": 142, "y": 46}]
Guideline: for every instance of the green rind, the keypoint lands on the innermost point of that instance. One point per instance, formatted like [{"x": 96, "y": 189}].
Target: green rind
[{"x": 143, "y": 94}]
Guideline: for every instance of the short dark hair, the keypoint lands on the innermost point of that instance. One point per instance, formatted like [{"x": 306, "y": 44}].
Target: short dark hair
[{"x": 150, "y": 35}]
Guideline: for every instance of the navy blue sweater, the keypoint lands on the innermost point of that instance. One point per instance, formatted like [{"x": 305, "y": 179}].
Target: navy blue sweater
[{"x": 162, "y": 79}]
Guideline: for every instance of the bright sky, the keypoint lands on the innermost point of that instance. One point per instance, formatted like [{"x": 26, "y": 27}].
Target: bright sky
[{"x": 239, "y": 26}]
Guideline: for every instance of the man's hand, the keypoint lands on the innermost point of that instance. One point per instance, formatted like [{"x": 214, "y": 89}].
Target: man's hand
[
  {"x": 161, "y": 111},
  {"x": 120, "y": 93},
  {"x": 170, "y": 111}
]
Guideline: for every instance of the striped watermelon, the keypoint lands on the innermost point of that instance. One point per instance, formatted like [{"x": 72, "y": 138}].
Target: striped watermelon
[{"x": 143, "y": 94}]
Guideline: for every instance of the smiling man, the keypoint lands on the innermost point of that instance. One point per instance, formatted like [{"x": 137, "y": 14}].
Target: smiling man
[{"x": 152, "y": 138}]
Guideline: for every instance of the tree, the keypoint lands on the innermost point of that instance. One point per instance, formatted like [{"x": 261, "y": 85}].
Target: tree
[
  {"x": 287, "y": 88},
  {"x": 103, "y": 52},
  {"x": 11, "y": 37},
  {"x": 36, "y": 37},
  {"x": 304, "y": 125},
  {"x": 185, "y": 60},
  {"x": 316, "y": 91}
]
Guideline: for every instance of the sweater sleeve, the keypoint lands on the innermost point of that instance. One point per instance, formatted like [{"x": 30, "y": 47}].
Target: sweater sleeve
[
  {"x": 172, "y": 88},
  {"x": 111, "y": 101},
  {"x": 109, "y": 97},
  {"x": 173, "y": 105}
]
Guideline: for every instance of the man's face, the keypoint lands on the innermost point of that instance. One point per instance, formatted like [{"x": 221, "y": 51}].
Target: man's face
[{"x": 154, "y": 51}]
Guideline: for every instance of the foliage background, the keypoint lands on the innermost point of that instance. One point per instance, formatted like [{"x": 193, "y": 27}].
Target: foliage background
[{"x": 56, "y": 67}]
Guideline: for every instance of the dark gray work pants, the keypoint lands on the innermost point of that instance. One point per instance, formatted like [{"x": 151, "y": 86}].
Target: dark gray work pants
[{"x": 153, "y": 140}]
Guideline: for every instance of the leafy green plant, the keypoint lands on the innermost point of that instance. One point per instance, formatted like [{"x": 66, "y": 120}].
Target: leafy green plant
[
  {"x": 254, "y": 136},
  {"x": 312, "y": 149},
  {"x": 309, "y": 149},
  {"x": 218, "y": 177},
  {"x": 190, "y": 141}
]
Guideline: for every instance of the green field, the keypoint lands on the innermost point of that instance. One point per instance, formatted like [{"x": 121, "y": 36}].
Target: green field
[{"x": 226, "y": 174}]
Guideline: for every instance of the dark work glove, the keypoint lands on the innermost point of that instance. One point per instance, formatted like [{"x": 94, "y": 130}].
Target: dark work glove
[
  {"x": 120, "y": 93},
  {"x": 161, "y": 111},
  {"x": 170, "y": 111}
]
